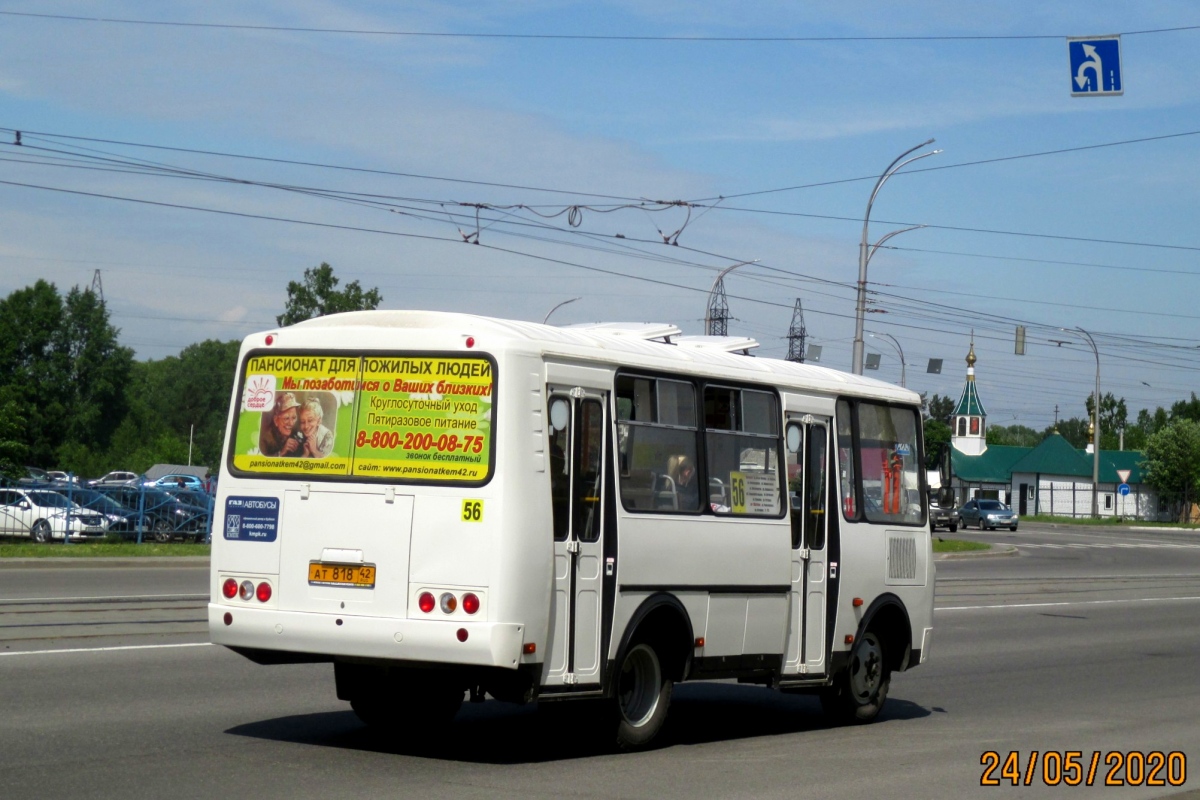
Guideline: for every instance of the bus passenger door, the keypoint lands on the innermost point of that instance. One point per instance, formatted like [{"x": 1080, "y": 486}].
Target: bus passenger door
[
  {"x": 808, "y": 444},
  {"x": 577, "y": 442}
]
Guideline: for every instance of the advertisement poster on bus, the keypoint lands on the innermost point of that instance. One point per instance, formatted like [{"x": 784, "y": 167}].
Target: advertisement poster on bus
[{"x": 395, "y": 417}]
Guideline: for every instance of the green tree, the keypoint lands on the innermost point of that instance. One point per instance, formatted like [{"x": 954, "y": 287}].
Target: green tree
[
  {"x": 318, "y": 296},
  {"x": 95, "y": 369},
  {"x": 30, "y": 367},
  {"x": 937, "y": 438},
  {"x": 1114, "y": 417},
  {"x": 1074, "y": 430},
  {"x": 1173, "y": 461},
  {"x": 939, "y": 408},
  {"x": 12, "y": 428},
  {"x": 1015, "y": 435},
  {"x": 1186, "y": 409}
]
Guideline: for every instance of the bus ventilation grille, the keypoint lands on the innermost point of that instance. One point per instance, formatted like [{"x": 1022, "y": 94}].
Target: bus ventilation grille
[{"x": 902, "y": 558}]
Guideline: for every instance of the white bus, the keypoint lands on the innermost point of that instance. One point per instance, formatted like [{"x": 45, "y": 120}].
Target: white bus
[{"x": 443, "y": 504}]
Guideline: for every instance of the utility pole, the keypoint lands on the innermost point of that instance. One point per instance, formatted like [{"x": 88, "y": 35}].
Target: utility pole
[
  {"x": 716, "y": 317},
  {"x": 98, "y": 286},
  {"x": 797, "y": 335}
]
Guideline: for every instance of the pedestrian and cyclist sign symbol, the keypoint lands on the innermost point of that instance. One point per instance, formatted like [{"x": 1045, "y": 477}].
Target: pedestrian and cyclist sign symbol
[{"x": 1095, "y": 66}]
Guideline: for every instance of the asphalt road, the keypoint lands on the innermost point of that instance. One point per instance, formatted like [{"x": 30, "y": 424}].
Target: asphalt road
[{"x": 1088, "y": 646}]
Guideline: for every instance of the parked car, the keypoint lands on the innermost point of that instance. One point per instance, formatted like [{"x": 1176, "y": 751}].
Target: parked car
[
  {"x": 44, "y": 515},
  {"x": 987, "y": 515},
  {"x": 33, "y": 475},
  {"x": 166, "y": 517},
  {"x": 115, "y": 478},
  {"x": 58, "y": 476},
  {"x": 178, "y": 481},
  {"x": 121, "y": 519},
  {"x": 943, "y": 517}
]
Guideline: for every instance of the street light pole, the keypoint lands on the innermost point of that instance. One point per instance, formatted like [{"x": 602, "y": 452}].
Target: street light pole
[
  {"x": 1095, "y": 430},
  {"x": 899, "y": 349},
  {"x": 864, "y": 254},
  {"x": 557, "y": 307},
  {"x": 1095, "y": 427},
  {"x": 713, "y": 290}
]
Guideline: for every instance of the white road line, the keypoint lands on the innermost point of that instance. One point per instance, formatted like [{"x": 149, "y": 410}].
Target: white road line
[
  {"x": 106, "y": 649},
  {"x": 109, "y": 598},
  {"x": 1069, "y": 603}
]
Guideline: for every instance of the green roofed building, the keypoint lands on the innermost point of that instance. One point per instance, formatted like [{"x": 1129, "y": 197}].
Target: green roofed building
[{"x": 1053, "y": 478}]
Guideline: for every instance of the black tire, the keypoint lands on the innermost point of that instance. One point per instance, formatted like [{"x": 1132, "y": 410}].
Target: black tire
[
  {"x": 40, "y": 532},
  {"x": 859, "y": 692},
  {"x": 1013, "y": 529},
  {"x": 643, "y": 695},
  {"x": 163, "y": 532},
  {"x": 953, "y": 528}
]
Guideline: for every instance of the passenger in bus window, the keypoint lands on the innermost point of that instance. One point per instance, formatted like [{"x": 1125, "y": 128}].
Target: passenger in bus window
[
  {"x": 682, "y": 470},
  {"x": 318, "y": 440},
  {"x": 279, "y": 438}
]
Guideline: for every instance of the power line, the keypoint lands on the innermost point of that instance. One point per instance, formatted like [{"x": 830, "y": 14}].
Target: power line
[{"x": 563, "y": 36}]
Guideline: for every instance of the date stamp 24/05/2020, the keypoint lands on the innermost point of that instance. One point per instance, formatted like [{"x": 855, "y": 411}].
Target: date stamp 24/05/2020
[{"x": 1075, "y": 768}]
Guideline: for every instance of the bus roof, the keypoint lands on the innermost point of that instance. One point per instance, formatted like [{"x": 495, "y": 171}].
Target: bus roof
[{"x": 645, "y": 345}]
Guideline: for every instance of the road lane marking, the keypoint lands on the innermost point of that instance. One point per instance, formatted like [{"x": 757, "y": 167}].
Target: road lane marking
[
  {"x": 1069, "y": 603},
  {"x": 120, "y": 598},
  {"x": 106, "y": 649}
]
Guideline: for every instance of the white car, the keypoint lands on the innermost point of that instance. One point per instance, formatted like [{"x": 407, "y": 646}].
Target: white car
[{"x": 43, "y": 515}]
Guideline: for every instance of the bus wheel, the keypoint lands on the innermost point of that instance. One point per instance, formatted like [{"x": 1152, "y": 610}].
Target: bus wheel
[
  {"x": 643, "y": 695},
  {"x": 859, "y": 693}
]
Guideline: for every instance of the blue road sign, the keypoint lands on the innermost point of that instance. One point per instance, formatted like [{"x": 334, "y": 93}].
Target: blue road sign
[
  {"x": 1123, "y": 489},
  {"x": 1095, "y": 66}
]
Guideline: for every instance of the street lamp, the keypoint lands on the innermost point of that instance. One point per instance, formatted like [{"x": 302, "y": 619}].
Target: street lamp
[
  {"x": 1095, "y": 426},
  {"x": 900, "y": 350},
  {"x": 557, "y": 307},
  {"x": 717, "y": 293},
  {"x": 865, "y": 253}
]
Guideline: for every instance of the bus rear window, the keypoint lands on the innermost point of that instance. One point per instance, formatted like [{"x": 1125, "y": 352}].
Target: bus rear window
[{"x": 413, "y": 418}]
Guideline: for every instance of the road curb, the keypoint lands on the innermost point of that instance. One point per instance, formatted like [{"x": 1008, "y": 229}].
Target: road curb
[
  {"x": 159, "y": 562},
  {"x": 996, "y": 551}
]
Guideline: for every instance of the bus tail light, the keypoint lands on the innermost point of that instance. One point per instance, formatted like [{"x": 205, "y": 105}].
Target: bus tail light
[
  {"x": 229, "y": 588},
  {"x": 426, "y": 602},
  {"x": 470, "y": 603},
  {"x": 247, "y": 590},
  {"x": 462, "y": 634},
  {"x": 530, "y": 648},
  {"x": 449, "y": 603},
  {"x": 264, "y": 592}
]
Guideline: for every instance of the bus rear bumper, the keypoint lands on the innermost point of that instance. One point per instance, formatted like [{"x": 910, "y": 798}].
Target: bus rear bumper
[{"x": 492, "y": 644}]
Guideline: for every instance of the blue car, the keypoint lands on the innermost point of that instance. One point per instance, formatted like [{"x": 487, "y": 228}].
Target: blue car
[{"x": 987, "y": 515}]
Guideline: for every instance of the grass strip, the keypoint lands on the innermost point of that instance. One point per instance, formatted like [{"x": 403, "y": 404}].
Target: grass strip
[
  {"x": 101, "y": 550},
  {"x": 941, "y": 545}
]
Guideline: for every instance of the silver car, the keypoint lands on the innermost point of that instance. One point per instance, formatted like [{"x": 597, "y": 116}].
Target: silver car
[{"x": 987, "y": 515}]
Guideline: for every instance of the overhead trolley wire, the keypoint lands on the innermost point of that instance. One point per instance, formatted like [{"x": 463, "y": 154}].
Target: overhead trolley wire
[{"x": 561, "y": 36}]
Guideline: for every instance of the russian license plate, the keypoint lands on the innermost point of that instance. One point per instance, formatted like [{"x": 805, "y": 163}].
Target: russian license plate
[{"x": 361, "y": 576}]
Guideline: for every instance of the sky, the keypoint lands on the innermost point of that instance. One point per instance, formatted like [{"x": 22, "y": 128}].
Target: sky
[{"x": 499, "y": 158}]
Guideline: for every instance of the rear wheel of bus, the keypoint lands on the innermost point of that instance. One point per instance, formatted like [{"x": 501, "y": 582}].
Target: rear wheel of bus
[
  {"x": 398, "y": 702},
  {"x": 859, "y": 692},
  {"x": 643, "y": 694}
]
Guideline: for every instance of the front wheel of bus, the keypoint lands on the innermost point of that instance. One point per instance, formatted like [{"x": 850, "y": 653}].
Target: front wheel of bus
[
  {"x": 643, "y": 695},
  {"x": 858, "y": 694}
]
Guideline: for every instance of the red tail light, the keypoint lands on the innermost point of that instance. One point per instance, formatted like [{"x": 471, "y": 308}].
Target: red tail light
[
  {"x": 229, "y": 588},
  {"x": 426, "y": 602},
  {"x": 462, "y": 634},
  {"x": 264, "y": 592},
  {"x": 470, "y": 603}
]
